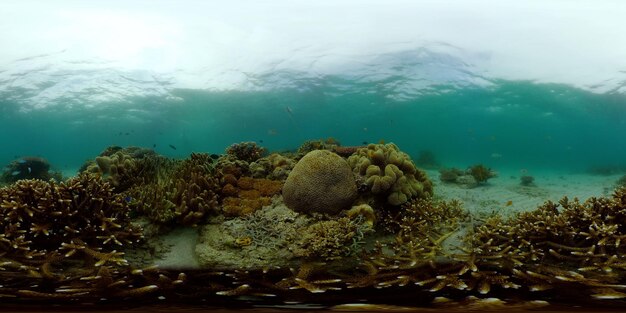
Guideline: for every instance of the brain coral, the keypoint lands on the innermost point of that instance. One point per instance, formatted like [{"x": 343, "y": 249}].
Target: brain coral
[
  {"x": 389, "y": 172},
  {"x": 320, "y": 182}
]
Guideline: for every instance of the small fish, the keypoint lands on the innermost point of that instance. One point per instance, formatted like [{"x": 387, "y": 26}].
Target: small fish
[
  {"x": 172, "y": 146},
  {"x": 289, "y": 111},
  {"x": 272, "y": 132},
  {"x": 364, "y": 142},
  {"x": 127, "y": 134},
  {"x": 14, "y": 173},
  {"x": 154, "y": 145},
  {"x": 128, "y": 198},
  {"x": 214, "y": 156},
  {"x": 22, "y": 161},
  {"x": 261, "y": 140},
  {"x": 496, "y": 155},
  {"x": 29, "y": 170},
  {"x": 509, "y": 203}
]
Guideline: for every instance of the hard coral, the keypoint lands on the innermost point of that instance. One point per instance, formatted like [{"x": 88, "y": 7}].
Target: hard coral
[
  {"x": 328, "y": 240},
  {"x": 390, "y": 173},
  {"x": 81, "y": 216},
  {"x": 247, "y": 195},
  {"x": 320, "y": 182},
  {"x": 185, "y": 193},
  {"x": 29, "y": 168},
  {"x": 275, "y": 167},
  {"x": 126, "y": 167},
  {"x": 481, "y": 173},
  {"x": 246, "y": 151}
]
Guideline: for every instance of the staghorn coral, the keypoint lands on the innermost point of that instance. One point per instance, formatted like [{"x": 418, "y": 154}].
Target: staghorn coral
[
  {"x": 29, "y": 168},
  {"x": 390, "y": 173},
  {"x": 184, "y": 195},
  {"x": 320, "y": 182},
  {"x": 44, "y": 222}
]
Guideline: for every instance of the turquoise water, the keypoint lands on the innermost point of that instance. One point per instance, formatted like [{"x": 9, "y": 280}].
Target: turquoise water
[
  {"x": 506, "y": 125},
  {"x": 515, "y": 86}
]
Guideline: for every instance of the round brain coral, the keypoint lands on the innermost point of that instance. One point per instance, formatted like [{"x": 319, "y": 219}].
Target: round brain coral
[
  {"x": 390, "y": 172},
  {"x": 321, "y": 181}
]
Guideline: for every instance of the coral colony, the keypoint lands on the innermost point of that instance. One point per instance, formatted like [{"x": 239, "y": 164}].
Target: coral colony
[{"x": 322, "y": 223}]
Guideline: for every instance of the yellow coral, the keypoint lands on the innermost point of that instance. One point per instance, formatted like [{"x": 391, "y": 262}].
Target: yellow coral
[{"x": 388, "y": 171}]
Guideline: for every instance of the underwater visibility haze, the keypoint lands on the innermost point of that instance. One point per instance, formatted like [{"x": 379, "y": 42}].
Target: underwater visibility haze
[{"x": 147, "y": 96}]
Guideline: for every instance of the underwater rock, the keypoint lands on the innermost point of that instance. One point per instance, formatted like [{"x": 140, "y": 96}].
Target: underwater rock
[
  {"x": 29, "y": 168},
  {"x": 320, "y": 182},
  {"x": 263, "y": 239},
  {"x": 390, "y": 173},
  {"x": 527, "y": 180}
]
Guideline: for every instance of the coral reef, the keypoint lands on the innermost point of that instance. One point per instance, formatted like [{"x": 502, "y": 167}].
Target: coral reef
[
  {"x": 481, "y": 173},
  {"x": 274, "y": 166},
  {"x": 258, "y": 240},
  {"x": 470, "y": 178},
  {"x": 29, "y": 168},
  {"x": 245, "y": 195},
  {"x": 320, "y": 182},
  {"x": 184, "y": 195},
  {"x": 126, "y": 167},
  {"x": 246, "y": 151},
  {"x": 332, "y": 239},
  {"x": 390, "y": 173},
  {"x": 450, "y": 175},
  {"x": 329, "y": 143}
]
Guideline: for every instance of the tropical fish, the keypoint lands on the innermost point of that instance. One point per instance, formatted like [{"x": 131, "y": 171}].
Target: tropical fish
[
  {"x": 22, "y": 161},
  {"x": 172, "y": 146},
  {"x": 496, "y": 155},
  {"x": 509, "y": 203},
  {"x": 14, "y": 173},
  {"x": 272, "y": 132},
  {"x": 29, "y": 170}
]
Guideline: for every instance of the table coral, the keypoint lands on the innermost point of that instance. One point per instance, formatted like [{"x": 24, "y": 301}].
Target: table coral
[
  {"x": 320, "y": 182},
  {"x": 390, "y": 173}
]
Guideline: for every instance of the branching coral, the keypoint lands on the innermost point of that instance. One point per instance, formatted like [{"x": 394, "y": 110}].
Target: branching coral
[
  {"x": 275, "y": 167},
  {"x": 481, "y": 173},
  {"x": 390, "y": 173},
  {"x": 46, "y": 226},
  {"x": 185, "y": 194},
  {"x": 332, "y": 239}
]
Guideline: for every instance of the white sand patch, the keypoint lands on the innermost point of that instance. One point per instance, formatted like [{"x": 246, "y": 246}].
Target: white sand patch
[{"x": 495, "y": 195}]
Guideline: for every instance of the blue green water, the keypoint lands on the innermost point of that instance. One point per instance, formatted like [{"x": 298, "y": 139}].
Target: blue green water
[
  {"x": 511, "y": 85},
  {"x": 510, "y": 124}
]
